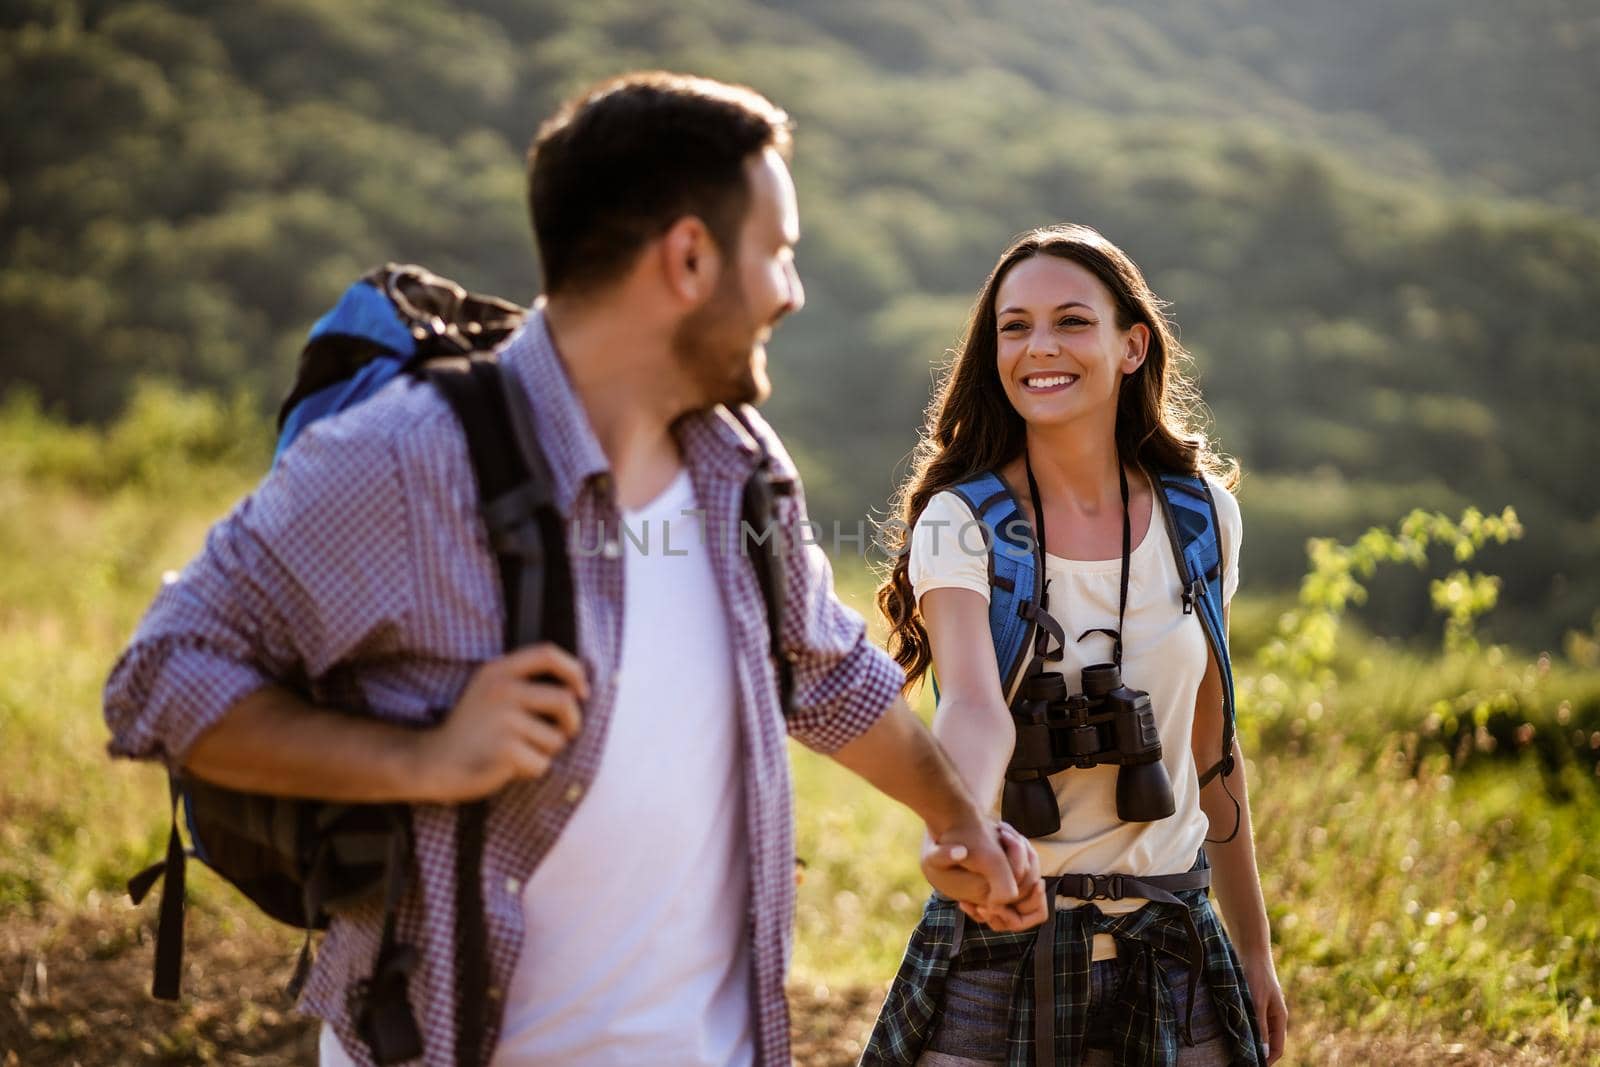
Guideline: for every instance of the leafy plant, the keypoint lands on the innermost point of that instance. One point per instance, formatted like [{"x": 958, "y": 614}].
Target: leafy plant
[{"x": 1308, "y": 637}]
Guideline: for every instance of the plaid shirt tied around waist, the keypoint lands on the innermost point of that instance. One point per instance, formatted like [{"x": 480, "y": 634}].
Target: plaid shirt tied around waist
[{"x": 1147, "y": 1030}]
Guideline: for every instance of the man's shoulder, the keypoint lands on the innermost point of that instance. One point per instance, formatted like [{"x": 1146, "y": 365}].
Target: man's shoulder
[
  {"x": 754, "y": 425},
  {"x": 398, "y": 410},
  {"x": 730, "y": 442},
  {"x": 405, "y": 418}
]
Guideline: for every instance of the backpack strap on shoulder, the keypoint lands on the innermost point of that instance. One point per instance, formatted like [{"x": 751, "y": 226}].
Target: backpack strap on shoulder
[
  {"x": 527, "y": 539},
  {"x": 516, "y": 500},
  {"x": 759, "y": 511},
  {"x": 1016, "y": 573},
  {"x": 1193, "y": 528}
]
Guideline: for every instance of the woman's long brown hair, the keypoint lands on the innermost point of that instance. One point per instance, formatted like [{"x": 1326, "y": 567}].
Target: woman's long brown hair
[{"x": 971, "y": 427}]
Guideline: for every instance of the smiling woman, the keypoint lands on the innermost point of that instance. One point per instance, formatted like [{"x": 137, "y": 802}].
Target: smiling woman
[
  {"x": 978, "y": 422},
  {"x": 1045, "y": 350},
  {"x": 1066, "y": 432}
]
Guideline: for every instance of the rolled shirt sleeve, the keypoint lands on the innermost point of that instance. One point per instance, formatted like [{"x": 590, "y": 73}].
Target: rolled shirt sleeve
[
  {"x": 304, "y": 573},
  {"x": 843, "y": 682}
]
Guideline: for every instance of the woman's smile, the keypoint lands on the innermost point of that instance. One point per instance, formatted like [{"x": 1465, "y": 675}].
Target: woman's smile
[{"x": 1053, "y": 382}]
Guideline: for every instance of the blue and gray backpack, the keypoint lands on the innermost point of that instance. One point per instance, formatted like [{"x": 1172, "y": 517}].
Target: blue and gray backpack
[{"x": 1020, "y": 627}]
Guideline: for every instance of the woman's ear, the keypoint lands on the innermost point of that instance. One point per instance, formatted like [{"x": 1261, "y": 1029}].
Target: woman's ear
[
  {"x": 690, "y": 262},
  {"x": 1138, "y": 345}
]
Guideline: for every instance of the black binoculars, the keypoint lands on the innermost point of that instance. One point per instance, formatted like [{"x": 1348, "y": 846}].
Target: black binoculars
[{"x": 1106, "y": 723}]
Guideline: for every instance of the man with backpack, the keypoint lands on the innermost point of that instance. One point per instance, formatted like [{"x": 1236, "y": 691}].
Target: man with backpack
[{"x": 342, "y": 637}]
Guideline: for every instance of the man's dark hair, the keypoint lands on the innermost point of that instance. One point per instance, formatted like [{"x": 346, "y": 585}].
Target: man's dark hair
[{"x": 618, "y": 164}]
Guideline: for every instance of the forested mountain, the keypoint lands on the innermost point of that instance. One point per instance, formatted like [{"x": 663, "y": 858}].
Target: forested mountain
[
  {"x": 1377, "y": 223},
  {"x": 1503, "y": 97}
]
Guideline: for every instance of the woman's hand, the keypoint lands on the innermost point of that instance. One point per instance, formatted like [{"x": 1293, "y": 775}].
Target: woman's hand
[{"x": 1272, "y": 1014}]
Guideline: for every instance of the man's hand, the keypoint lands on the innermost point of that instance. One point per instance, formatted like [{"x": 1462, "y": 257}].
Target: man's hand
[
  {"x": 968, "y": 858},
  {"x": 1030, "y": 907},
  {"x": 516, "y": 715},
  {"x": 1002, "y": 892}
]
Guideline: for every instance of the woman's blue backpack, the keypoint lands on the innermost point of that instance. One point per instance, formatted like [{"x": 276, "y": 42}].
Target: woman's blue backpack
[{"x": 1018, "y": 625}]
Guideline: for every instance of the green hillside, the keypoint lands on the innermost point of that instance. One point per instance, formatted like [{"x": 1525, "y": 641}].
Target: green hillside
[{"x": 1376, "y": 223}]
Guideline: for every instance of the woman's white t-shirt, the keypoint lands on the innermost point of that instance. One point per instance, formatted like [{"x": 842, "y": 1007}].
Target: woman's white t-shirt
[{"x": 1164, "y": 653}]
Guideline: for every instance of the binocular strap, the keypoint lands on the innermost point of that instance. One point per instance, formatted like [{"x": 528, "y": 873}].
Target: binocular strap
[{"x": 1127, "y": 554}]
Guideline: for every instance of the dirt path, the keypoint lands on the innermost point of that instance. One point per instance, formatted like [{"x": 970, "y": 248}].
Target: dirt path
[{"x": 75, "y": 991}]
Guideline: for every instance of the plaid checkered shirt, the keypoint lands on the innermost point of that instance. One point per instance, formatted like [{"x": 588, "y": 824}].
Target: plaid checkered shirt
[
  {"x": 361, "y": 563},
  {"x": 1146, "y": 1030}
]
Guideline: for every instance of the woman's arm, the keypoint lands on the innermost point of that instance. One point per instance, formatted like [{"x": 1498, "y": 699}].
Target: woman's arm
[
  {"x": 1234, "y": 874},
  {"x": 974, "y": 728},
  {"x": 972, "y": 722}
]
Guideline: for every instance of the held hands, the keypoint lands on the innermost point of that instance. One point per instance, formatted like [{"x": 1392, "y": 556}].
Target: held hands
[
  {"x": 515, "y": 716},
  {"x": 991, "y": 872}
]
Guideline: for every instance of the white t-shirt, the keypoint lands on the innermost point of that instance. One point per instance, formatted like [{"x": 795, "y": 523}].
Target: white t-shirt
[
  {"x": 637, "y": 947},
  {"x": 1164, "y": 654}
]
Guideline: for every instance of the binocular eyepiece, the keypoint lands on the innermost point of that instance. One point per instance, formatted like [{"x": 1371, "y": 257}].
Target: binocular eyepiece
[{"x": 1108, "y": 723}]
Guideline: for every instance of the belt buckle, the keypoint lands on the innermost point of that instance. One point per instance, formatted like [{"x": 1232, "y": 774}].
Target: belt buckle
[{"x": 1108, "y": 886}]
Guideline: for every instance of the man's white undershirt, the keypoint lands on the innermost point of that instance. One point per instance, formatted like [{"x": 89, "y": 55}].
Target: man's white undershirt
[{"x": 637, "y": 947}]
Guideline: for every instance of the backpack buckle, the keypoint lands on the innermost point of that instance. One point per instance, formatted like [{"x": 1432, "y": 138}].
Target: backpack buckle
[
  {"x": 1099, "y": 887},
  {"x": 513, "y": 524},
  {"x": 523, "y": 541},
  {"x": 1192, "y": 594}
]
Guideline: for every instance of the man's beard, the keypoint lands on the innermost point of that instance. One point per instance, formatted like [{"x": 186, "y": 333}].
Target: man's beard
[{"x": 715, "y": 345}]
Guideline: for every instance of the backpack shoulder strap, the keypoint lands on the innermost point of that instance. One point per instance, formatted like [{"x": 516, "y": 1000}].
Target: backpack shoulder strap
[
  {"x": 1016, "y": 574},
  {"x": 516, "y": 500},
  {"x": 527, "y": 538},
  {"x": 759, "y": 509},
  {"x": 1195, "y": 533}
]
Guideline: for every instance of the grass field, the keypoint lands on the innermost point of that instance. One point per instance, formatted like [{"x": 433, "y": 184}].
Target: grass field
[{"x": 1425, "y": 823}]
